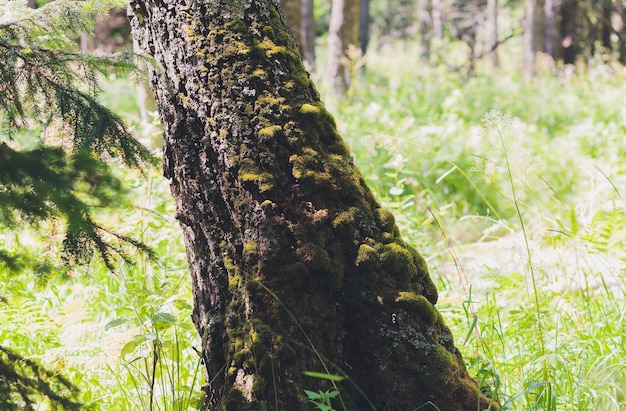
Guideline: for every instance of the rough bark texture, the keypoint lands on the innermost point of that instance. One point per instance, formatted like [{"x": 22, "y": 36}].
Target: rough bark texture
[
  {"x": 342, "y": 33},
  {"x": 294, "y": 264}
]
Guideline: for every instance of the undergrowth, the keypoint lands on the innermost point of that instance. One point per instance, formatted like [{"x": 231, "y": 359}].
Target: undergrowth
[
  {"x": 520, "y": 213},
  {"x": 513, "y": 190}
]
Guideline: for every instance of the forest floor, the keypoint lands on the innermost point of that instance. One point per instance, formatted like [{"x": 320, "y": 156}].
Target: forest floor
[{"x": 513, "y": 190}]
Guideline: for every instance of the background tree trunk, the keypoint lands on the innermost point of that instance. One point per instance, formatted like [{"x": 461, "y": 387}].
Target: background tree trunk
[
  {"x": 425, "y": 27},
  {"x": 292, "y": 10},
  {"x": 569, "y": 10},
  {"x": 364, "y": 26},
  {"x": 295, "y": 267},
  {"x": 530, "y": 41},
  {"x": 552, "y": 45},
  {"x": 492, "y": 43},
  {"x": 437, "y": 19},
  {"x": 343, "y": 33},
  {"x": 308, "y": 34},
  {"x": 607, "y": 29},
  {"x": 620, "y": 31}
]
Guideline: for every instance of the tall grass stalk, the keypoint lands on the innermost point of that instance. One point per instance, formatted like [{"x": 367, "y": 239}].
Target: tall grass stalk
[{"x": 501, "y": 120}]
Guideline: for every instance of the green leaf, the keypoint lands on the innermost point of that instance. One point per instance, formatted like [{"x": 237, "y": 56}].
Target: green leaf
[
  {"x": 312, "y": 395},
  {"x": 115, "y": 323},
  {"x": 181, "y": 305},
  {"x": 166, "y": 319},
  {"x": 170, "y": 351},
  {"x": 324, "y": 376},
  {"x": 144, "y": 337},
  {"x": 129, "y": 347}
]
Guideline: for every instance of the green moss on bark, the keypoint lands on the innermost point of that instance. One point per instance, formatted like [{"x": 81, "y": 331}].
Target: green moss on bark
[{"x": 418, "y": 305}]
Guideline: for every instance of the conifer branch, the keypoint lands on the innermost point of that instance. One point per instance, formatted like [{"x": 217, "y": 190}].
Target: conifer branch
[{"x": 48, "y": 85}]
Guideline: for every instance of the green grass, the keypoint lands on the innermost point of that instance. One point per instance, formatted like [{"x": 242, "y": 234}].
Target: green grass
[{"x": 520, "y": 213}]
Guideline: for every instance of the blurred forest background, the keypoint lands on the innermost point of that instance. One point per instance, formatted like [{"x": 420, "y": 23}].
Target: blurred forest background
[{"x": 493, "y": 129}]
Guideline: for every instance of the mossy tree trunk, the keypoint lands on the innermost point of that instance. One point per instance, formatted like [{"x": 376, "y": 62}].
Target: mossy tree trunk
[{"x": 295, "y": 266}]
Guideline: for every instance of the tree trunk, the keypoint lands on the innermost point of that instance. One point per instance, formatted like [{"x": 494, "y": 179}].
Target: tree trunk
[
  {"x": 533, "y": 33},
  {"x": 607, "y": 29},
  {"x": 437, "y": 19},
  {"x": 292, "y": 9},
  {"x": 552, "y": 46},
  {"x": 620, "y": 31},
  {"x": 295, "y": 266},
  {"x": 569, "y": 12},
  {"x": 308, "y": 34},
  {"x": 343, "y": 33},
  {"x": 425, "y": 27},
  {"x": 492, "y": 16},
  {"x": 364, "y": 26}
]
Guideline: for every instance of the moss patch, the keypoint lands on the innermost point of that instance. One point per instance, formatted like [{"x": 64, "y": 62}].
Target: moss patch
[
  {"x": 346, "y": 218},
  {"x": 385, "y": 219},
  {"x": 270, "y": 48},
  {"x": 417, "y": 304},
  {"x": 250, "y": 249},
  {"x": 366, "y": 255},
  {"x": 315, "y": 257},
  {"x": 270, "y": 131},
  {"x": 397, "y": 260}
]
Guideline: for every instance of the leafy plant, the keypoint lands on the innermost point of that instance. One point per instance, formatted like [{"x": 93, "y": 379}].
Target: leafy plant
[{"x": 322, "y": 399}]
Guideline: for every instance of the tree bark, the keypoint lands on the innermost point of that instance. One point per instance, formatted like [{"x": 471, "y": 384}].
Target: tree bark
[
  {"x": 343, "y": 33},
  {"x": 295, "y": 266}
]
